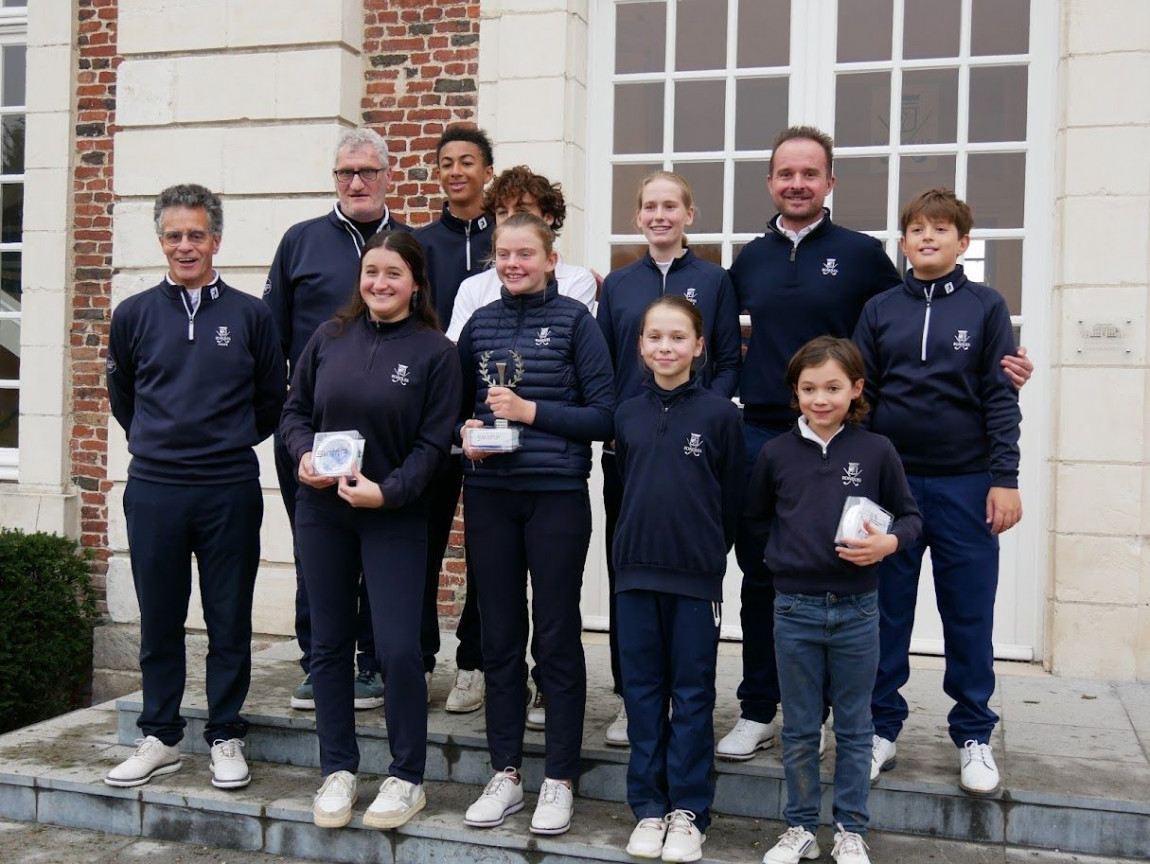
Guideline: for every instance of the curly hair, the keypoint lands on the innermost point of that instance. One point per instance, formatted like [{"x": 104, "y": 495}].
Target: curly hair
[{"x": 511, "y": 185}]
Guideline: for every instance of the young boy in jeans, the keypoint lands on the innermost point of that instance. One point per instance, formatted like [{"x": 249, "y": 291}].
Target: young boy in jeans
[{"x": 931, "y": 348}]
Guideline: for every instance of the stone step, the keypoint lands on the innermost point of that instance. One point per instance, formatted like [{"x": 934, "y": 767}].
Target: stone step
[
  {"x": 53, "y": 774},
  {"x": 1101, "y": 814}
]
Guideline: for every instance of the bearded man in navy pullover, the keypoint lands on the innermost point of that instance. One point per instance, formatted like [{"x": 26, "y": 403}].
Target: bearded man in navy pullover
[{"x": 196, "y": 379}]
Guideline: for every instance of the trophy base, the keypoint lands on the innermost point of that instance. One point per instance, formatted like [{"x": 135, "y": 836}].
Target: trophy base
[{"x": 489, "y": 439}]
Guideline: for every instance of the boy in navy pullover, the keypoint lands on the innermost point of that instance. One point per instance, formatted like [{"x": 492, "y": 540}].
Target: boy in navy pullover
[{"x": 932, "y": 349}]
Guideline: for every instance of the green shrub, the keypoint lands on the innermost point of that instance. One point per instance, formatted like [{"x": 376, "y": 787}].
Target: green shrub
[{"x": 47, "y": 612}]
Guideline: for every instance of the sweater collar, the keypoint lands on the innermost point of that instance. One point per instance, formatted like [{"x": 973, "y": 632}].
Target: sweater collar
[
  {"x": 530, "y": 301},
  {"x": 823, "y": 227},
  {"x": 803, "y": 430},
  {"x": 390, "y": 329},
  {"x": 936, "y": 288},
  {"x": 669, "y": 397},
  {"x": 460, "y": 226},
  {"x": 677, "y": 263},
  {"x": 210, "y": 291}
]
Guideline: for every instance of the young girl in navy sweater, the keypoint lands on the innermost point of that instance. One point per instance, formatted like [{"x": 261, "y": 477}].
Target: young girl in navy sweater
[
  {"x": 826, "y": 602},
  {"x": 383, "y": 369},
  {"x": 679, "y": 448},
  {"x": 668, "y": 268},
  {"x": 536, "y": 359}
]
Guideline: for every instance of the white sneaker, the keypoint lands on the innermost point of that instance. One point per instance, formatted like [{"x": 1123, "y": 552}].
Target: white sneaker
[
  {"x": 794, "y": 845},
  {"x": 537, "y": 712},
  {"x": 396, "y": 802},
  {"x": 152, "y": 758},
  {"x": 229, "y": 767},
  {"x": 849, "y": 848},
  {"x": 978, "y": 775},
  {"x": 502, "y": 796},
  {"x": 882, "y": 756},
  {"x": 554, "y": 809},
  {"x": 616, "y": 734},
  {"x": 684, "y": 841},
  {"x": 748, "y": 736},
  {"x": 467, "y": 694},
  {"x": 647, "y": 838},
  {"x": 334, "y": 800}
]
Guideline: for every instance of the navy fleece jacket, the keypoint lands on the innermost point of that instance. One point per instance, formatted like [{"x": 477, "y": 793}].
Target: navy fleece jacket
[
  {"x": 794, "y": 294},
  {"x": 194, "y": 397},
  {"x": 455, "y": 249},
  {"x": 933, "y": 378},
  {"x": 796, "y": 499},
  {"x": 681, "y": 454},
  {"x": 396, "y": 384},
  {"x": 628, "y": 291}
]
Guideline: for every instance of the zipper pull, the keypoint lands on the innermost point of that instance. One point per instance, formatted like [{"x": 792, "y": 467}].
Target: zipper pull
[
  {"x": 467, "y": 234},
  {"x": 191, "y": 329},
  {"x": 794, "y": 251}
]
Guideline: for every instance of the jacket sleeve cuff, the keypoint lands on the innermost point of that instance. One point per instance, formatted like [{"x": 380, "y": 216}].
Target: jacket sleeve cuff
[{"x": 1004, "y": 481}]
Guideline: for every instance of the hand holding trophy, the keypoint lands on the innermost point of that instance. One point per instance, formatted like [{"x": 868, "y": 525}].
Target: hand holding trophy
[{"x": 504, "y": 403}]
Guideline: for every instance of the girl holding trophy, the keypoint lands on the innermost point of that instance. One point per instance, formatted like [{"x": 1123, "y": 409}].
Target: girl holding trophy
[
  {"x": 537, "y": 388},
  {"x": 369, "y": 421}
]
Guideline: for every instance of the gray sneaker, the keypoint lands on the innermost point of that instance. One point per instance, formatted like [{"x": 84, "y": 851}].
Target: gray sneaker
[
  {"x": 368, "y": 691},
  {"x": 303, "y": 697}
]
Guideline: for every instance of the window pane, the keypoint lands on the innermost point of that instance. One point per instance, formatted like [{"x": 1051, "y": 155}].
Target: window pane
[
  {"x": 860, "y": 192},
  {"x": 712, "y": 252},
  {"x": 753, "y": 205},
  {"x": 699, "y": 112},
  {"x": 624, "y": 254},
  {"x": 998, "y": 103},
  {"x": 11, "y": 290},
  {"x": 14, "y": 74},
  {"x": 931, "y": 29},
  {"x": 701, "y": 37},
  {"x": 640, "y": 37},
  {"x": 764, "y": 33},
  {"x": 1000, "y": 27},
  {"x": 9, "y": 418},
  {"x": 761, "y": 111},
  {"x": 624, "y": 195},
  {"x": 916, "y": 174},
  {"x": 995, "y": 188},
  {"x": 11, "y": 212},
  {"x": 12, "y": 133},
  {"x": 706, "y": 179},
  {"x": 9, "y": 350},
  {"x": 864, "y": 30},
  {"x": 16, "y": 4},
  {"x": 862, "y": 109},
  {"x": 998, "y": 263},
  {"x": 639, "y": 118},
  {"x": 930, "y": 106}
]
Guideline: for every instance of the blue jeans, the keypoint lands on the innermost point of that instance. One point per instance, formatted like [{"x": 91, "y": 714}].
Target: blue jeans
[{"x": 820, "y": 637}]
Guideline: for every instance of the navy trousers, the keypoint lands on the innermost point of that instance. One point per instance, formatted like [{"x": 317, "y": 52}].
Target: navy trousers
[
  {"x": 287, "y": 475},
  {"x": 547, "y": 533},
  {"x": 964, "y": 557},
  {"x": 442, "y": 499},
  {"x": 337, "y": 542},
  {"x": 668, "y": 646},
  {"x": 220, "y": 525}
]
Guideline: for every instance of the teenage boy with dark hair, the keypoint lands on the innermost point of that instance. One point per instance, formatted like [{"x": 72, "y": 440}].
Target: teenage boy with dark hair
[
  {"x": 932, "y": 348},
  {"x": 457, "y": 245}
]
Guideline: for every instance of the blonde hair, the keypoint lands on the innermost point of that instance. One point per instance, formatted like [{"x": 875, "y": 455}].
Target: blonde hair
[
  {"x": 671, "y": 177},
  {"x": 533, "y": 222}
]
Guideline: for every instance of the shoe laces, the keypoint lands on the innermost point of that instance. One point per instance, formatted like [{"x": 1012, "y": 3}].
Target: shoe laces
[
  {"x": 847, "y": 842},
  {"x": 364, "y": 677},
  {"x": 393, "y": 789},
  {"x": 794, "y": 838},
  {"x": 229, "y": 749},
  {"x": 464, "y": 679},
  {"x": 977, "y": 752},
  {"x": 335, "y": 786},
  {"x": 654, "y": 823},
  {"x": 551, "y": 790},
  {"x": 143, "y": 745},
  {"x": 507, "y": 775},
  {"x": 679, "y": 821}
]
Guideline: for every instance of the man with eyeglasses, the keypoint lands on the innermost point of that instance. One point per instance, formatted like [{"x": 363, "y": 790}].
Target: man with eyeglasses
[
  {"x": 196, "y": 379},
  {"x": 314, "y": 274}
]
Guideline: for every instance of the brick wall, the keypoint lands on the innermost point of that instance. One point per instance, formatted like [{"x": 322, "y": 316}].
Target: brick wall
[
  {"x": 421, "y": 62},
  {"x": 89, "y": 313}
]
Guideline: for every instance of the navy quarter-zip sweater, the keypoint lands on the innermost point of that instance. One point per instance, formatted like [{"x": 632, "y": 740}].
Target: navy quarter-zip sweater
[
  {"x": 194, "y": 397},
  {"x": 455, "y": 249},
  {"x": 681, "y": 455},
  {"x": 314, "y": 273},
  {"x": 796, "y": 499},
  {"x": 566, "y": 372},
  {"x": 934, "y": 381},
  {"x": 628, "y": 291},
  {"x": 396, "y": 384},
  {"x": 794, "y": 294}
]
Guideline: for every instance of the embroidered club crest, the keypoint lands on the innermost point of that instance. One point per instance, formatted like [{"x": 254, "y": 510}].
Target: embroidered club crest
[
  {"x": 691, "y": 295},
  {"x": 831, "y": 267},
  {"x": 694, "y": 445},
  {"x": 400, "y": 375},
  {"x": 223, "y": 336},
  {"x": 267, "y": 287},
  {"x": 853, "y": 477},
  {"x": 544, "y": 337},
  {"x": 962, "y": 341}
]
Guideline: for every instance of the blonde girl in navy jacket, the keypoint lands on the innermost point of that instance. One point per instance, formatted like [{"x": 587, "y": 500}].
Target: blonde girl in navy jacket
[
  {"x": 382, "y": 368},
  {"x": 679, "y": 448},
  {"x": 528, "y": 510}
]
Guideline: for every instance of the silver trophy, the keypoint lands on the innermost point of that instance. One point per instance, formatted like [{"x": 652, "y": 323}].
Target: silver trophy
[{"x": 503, "y": 437}]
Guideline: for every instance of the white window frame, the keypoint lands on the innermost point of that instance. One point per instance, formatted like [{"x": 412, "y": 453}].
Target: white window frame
[{"x": 13, "y": 31}]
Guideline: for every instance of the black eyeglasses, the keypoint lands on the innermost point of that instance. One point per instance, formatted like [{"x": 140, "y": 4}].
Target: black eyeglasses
[{"x": 367, "y": 175}]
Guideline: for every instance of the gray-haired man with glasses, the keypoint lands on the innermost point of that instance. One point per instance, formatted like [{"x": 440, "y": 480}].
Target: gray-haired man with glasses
[{"x": 314, "y": 274}]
